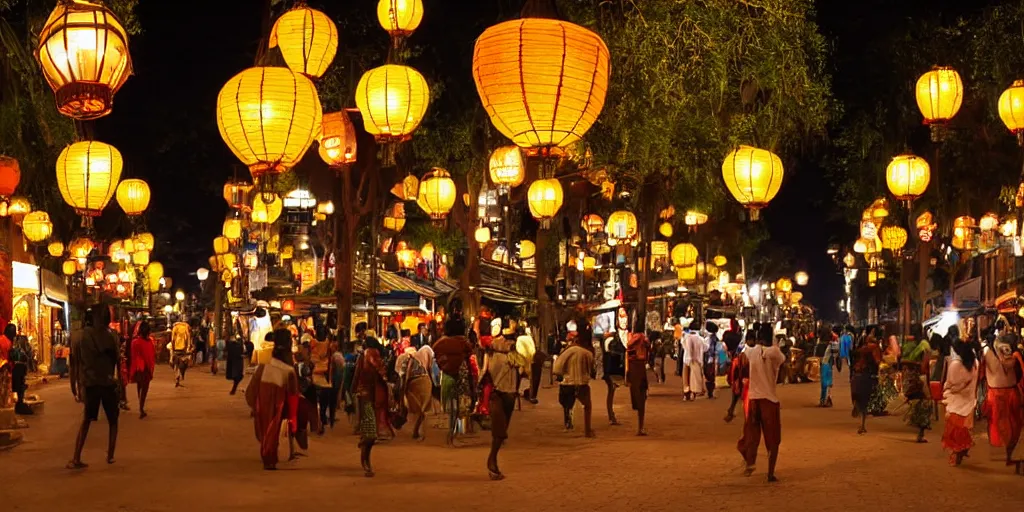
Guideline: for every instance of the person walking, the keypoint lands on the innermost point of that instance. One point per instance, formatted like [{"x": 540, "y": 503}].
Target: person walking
[
  {"x": 764, "y": 416},
  {"x": 234, "y": 362},
  {"x": 504, "y": 376},
  {"x": 693, "y": 368},
  {"x": 416, "y": 387},
  {"x": 637, "y": 351},
  {"x": 828, "y": 364},
  {"x": 613, "y": 365},
  {"x": 960, "y": 397},
  {"x": 181, "y": 350},
  {"x": 143, "y": 360},
  {"x": 1003, "y": 405},
  {"x": 369, "y": 384},
  {"x": 17, "y": 355},
  {"x": 574, "y": 368},
  {"x": 739, "y": 374},
  {"x": 273, "y": 398},
  {"x": 94, "y": 368},
  {"x": 711, "y": 358}
]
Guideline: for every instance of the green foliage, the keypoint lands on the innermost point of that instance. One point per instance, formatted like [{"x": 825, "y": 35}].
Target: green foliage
[
  {"x": 445, "y": 241},
  {"x": 691, "y": 80}
]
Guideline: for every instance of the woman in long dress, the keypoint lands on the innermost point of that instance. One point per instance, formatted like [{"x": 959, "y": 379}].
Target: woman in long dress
[
  {"x": 273, "y": 396},
  {"x": 416, "y": 387},
  {"x": 234, "y": 367},
  {"x": 866, "y": 360},
  {"x": 143, "y": 361},
  {"x": 1003, "y": 405},
  {"x": 960, "y": 396}
]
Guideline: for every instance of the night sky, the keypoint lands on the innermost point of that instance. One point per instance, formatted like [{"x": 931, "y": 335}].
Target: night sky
[{"x": 163, "y": 121}]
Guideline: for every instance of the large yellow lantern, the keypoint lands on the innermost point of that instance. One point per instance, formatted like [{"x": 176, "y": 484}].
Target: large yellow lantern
[
  {"x": 621, "y": 227},
  {"x": 1011, "y": 108},
  {"x": 666, "y": 229},
  {"x": 400, "y": 17},
  {"x": 437, "y": 193},
  {"x": 232, "y": 229},
  {"x": 753, "y": 176},
  {"x": 506, "y": 166},
  {"x": 908, "y": 177},
  {"x": 308, "y": 40},
  {"x": 940, "y": 92},
  {"x": 268, "y": 116},
  {"x": 133, "y": 196},
  {"x": 684, "y": 255},
  {"x": 80, "y": 248},
  {"x": 87, "y": 176},
  {"x": 337, "y": 139},
  {"x": 545, "y": 198},
  {"x": 393, "y": 100},
  {"x": 542, "y": 81},
  {"x": 69, "y": 267},
  {"x": 83, "y": 50},
  {"x": 266, "y": 213},
  {"x": 56, "y": 249},
  {"x": 37, "y": 226},
  {"x": 893, "y": 238},
  {"x": 784, "y": 285},
  {"x": 143, "y": 241},
  {"x": 482, "y": 235}
]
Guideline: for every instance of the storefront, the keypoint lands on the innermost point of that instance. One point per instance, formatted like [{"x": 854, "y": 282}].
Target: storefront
[{"x": 40, "y": 311}]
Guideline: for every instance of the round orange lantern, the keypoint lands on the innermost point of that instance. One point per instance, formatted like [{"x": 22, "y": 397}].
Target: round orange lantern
[
  {"x": 87, "y": 176},
  {"x": 621, "y": 227},
  {"x": 56, "y": 249},
  {"x": 907, "y": 177},
  {"x": 684, "y": 255},
  {"x": 393, "y": 100},
  {"x": 753, "y": 176},
  {"x": 80, "y": 248},
  {"x": 400, "y": 17},
  {"x": 83, "y": 50},
  {"x": 592, "y": 223},
  {"x": 437, "y": 193},
  {"x": 36, "y": 226},
  {"x": 308, "y": 40},
  {"x": 1011, "y": 108},
  {"x": 236, "y": 193},
  {"x": 940, "y": 92},
  {"x": 506, "y": 167},
  {"x": 266, "y": 213},
  {"x": 545, "y": 198},
  {"x": 542, "y": 81},
  {"x": 133, "y": 196},
  {"x": 10, "y": 176},
  {"x": 337, "y": 139}
]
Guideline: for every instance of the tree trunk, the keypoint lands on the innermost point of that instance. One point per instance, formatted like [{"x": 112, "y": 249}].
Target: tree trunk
[
  {"x": 543, "y": 304},
  {"x": 218, "y": 308},
  {"x": 466, "y": 219},
  {"x": 344, "y": 256}
]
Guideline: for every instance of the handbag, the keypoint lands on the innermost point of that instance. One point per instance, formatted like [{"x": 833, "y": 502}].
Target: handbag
[
  {"x": 721, "y": 381},
  {"x": 283, "y": 441}
]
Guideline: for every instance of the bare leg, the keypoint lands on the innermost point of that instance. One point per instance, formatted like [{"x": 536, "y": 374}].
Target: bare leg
[
  {"x": 640, "y": 431},
  {"x": 83, "y": 432},
  {"x": 492, "y": 460},
  {"x": 611, "y": 401},
  {"x": 863, "y": 422},
  {"x": 234, "y": 387},
  {"x": 416, "y": 428},
  {"x": 111, "y": 441},
  {"x": 773, "y": 457}
]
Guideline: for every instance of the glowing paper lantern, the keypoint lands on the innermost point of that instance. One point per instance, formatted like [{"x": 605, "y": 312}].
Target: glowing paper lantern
[
  {"x": 154, "y": 272},
  {"x": 545, "y": 198},
  {"x": 221, "y": 245},
  {"x": 940, "y": 92},
  {"x": 527, "y": 249},
  {"x": 592, "y": 223},
  {"x": 56, "y": 249},
  {"x": 264, "y": 213},
  {"x": 400, "y": 17},
  {"x": 18, "y": 207},
  {"x": 232, "y": 229},
  {"x": 907, "y": 177},
  {"x": 308, "y": 40},
  {"x": 784, "y": 284},
  {"x": 988, "y": 222},
  {"x": 80, "y": 248},
  {"x": 337, "y": 139},
  {"x": 693, "y": 218},
  {"x": 720, "y": 261},
  {"x": 407, "y": 189},
  {"x": 753, "y": 176},
  {"x": 133, "y": 196},
  {"x": 963, "y": 232},
  {"x": 542, "y": 81},
  {"x": 236, "y": 193},
  {"x": 394, "y": 219},
  {"x": 143, "y": 241},
  {"x": 893, "y": 238},
  {"x": 140, "y": 257},
  {"x": 1011, "y": 107},
  {"x": 482, "y": 235},
  {"x": 87, "y": 176},
  {"x": 684, "y": 255},
  {"x": 69, "y": 267},
  {"x": 268, "y": 117},
  {"x": 393, "y": 100},
  {"x": 427, "y": 251},
  {"x": 437, "y": 193},
  {"x": 801, "y": 278},
  {"x": 10, "y": 176},
  {"x": 506, "y": 167},
  {"x": 666, "y": 229},
  {"x": 621, "y": 227},
  {"x": 83, "y": 51},
  {"x": 37, "y": 226}
]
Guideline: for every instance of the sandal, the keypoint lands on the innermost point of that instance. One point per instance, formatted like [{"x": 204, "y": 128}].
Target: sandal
[{"x": 76, "y": 465}]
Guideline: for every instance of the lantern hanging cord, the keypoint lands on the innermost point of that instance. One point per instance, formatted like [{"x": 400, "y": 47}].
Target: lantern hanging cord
[{"x": 540, "y": 9}]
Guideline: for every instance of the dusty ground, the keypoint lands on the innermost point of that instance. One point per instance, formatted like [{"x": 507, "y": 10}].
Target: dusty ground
[{"x": 196, "y": 452}]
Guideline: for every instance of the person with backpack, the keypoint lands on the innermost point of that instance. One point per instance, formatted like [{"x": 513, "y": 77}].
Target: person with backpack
[{"x": 181, "y": 350}]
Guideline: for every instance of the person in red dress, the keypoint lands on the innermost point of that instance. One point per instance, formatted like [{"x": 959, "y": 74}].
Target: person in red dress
[{"x": 143, "y": 363}]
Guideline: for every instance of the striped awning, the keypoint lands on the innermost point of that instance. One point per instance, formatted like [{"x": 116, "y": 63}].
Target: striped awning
[
  {"x": 499, "y": 294},
  {"x": 395, "y": 282}
]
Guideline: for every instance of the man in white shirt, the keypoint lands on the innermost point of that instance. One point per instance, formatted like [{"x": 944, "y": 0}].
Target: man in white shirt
[
  {"x": 763, "y": 416},
  {"x": 693, "y": 368}
]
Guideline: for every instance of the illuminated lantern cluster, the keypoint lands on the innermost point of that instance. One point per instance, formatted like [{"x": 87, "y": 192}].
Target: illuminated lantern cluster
[
  {"x": 907, "y": 177},
  {"x": 393, "y": 100},
  {"x": 80, "y": 248},
  {"x": 36, "y": 226},
  {"x": 87, "y": 176},
  {"x": 753, "y": 176},
  {"x": 266, "y": 213},
  {"x": 308, "y": 40},
  {"x": 133, "y": 196},
  {"x": 83, "y": 51},
  {"x": 784, "y": 285},
  {"x": 622, "y": 228},
  {"x": 542, "y": 81},
  {"x": 684, "y": 255},
  {"x": 437, "y": 193},
  {"x": 268, "y": 117},
  {"x": 506, "y": 167},
  {"x": 400, "y": 17},
  {"x": 545, "y": 198},
  {"x": 337, "y": 139}
]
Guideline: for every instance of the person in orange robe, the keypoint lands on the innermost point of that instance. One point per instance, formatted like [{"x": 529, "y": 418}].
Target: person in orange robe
[{"x": 273, "y": 396}]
